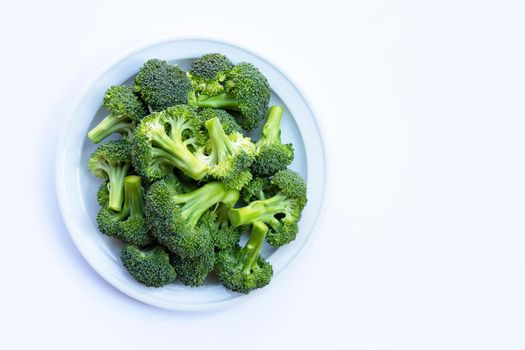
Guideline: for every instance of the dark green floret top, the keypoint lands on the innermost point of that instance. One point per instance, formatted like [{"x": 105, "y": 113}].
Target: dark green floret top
[
  {"x": 149, "y": 266},
  {"x": 162, "y": 85},
  {"x": 209, "y": 72}
]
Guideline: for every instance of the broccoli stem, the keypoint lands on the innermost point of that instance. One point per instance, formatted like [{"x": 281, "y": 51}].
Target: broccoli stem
[
  {"x": 222, "y": 100},
  {"x": 134, "y": 195},
  {"x": 116, "y": 186},
  {"x": 222, "y": 146},
  {"x": 109, "y": 125},
  {"x": 260, "y": 210},
  {"x": 179, "y": 155},
  {"x": 230, "y": 197},
  {"x": 250, "y": 252},
  {"x": 271, "y": 131},
  {"x": 198, "y": 201}
]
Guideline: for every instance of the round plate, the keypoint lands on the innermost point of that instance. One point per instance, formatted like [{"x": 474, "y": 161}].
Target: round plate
[{"x": 77, "y": 188}]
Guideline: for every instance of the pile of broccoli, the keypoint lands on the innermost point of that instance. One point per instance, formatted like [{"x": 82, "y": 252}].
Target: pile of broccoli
[{"x": 183, "y": 183}]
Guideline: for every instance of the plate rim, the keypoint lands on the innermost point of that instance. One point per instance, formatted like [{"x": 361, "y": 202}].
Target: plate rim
[{"x": 60, "y": 185}]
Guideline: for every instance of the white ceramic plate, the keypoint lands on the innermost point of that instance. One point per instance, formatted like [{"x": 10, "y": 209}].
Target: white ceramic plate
[{"x": 77, "y": 188}]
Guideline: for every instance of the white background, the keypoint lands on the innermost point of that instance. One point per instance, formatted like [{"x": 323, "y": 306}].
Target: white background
[{"x": 422, "y": 107}]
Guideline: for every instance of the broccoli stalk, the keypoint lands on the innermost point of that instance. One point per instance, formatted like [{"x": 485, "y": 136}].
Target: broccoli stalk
[
  {"x": 116, "y": 184},
  {"x": 250, "y": 252},
  {"x": 272, "y": 155},
  {"x": 196, "y": 203},
  {"x": 224, "y": 235},
  {"x": 112, "y": 161},
  {"x": 243, "y": 269},
  {"x": 271, "y": 131},
  {"x": 109, "y": 125},
  {"x": 222, "y": 100}
]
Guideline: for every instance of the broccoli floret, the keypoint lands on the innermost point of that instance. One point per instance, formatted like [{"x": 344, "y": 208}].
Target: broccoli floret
[
  {"x": 272, "y": 155},
  {"x": 162, "y": 85},
  {"x": 103, "y": 195},
  {"x": 243, "y": 269},
  {"x": 175, "y": 216},
  {"x": 281, "y": 207},
  {"x": 229, "y": 124},
  {"x": 246, "y": 90},
  {"x": 208, "y": 73},
  {"x": 126, "y": 111},
  {"x": 150, "y": 267},
  {"x": 128, "y": 225},
  {"x": 111, "y": 161},
  {"x": 193, "y": 271},
  {"x": 230, "y": 156},
  {"x": 257, "y": 189},
  {"x": 168, "y": 139}
]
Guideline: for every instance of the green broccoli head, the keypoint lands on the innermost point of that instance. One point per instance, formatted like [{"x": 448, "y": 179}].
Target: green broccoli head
[
  {"x": 162, "y": 85},
  {"x": 229, "y": 157},
  {"x": 128, "y": 225},
  {"x": 150, "y": 267},
  {"x": 111, "y": 161},
  {"x": 126, "y": 110},
  {"x": 272, "y": 155},
  {"x": 208, "y": 73},
  {"x": 168, "y": 139},
  {"x": 246, "y": 90},
  {"x": 193, "y": 271},
  {"x": 177, "y": 217},
  {"x": 243, "y": 269},
  {"x": 278, "y": 203},
  {"x": 228, "y": 122}
]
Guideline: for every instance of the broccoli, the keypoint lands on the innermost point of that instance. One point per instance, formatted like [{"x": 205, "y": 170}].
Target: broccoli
[
  {"x": 176, "y": 217},
  {"x": 243, "y": 269},
  {"x": 126, "y": 111},
  {"x": 111, "y": 161},
  {"x": 230, "y": 156},
  {"x": 246, "y": 90},
  {"x": 162, "y": 85},
  {"x": 150, "y": 267},
  {"x": 168, "y": 139},
  {"x": 128, "y": 225},
  {"x": 272, "y": 156},
  {"x": 208, "y": 73},
  {"x": 228, "y": 122},
  {"x": 279, "y": 204},
  {"x": 193, "y": 271}
]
